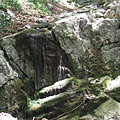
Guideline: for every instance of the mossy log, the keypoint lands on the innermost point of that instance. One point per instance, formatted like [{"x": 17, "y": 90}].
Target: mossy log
[
  {"x": 35, "y": 107},
  {"x": 56, "y": 88}
]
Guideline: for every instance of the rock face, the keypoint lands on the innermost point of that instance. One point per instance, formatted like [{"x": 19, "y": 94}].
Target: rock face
[
  {"x": 111, "y": 109},
  {"x": 81, "y": 44},
  {"x": 36, "y": 57},
  {"x": 11, "y": 97},
  {"x": 43, "y": 54},
  {"x": 6, "y": 71},
  {"x": 91, "y": 42}
]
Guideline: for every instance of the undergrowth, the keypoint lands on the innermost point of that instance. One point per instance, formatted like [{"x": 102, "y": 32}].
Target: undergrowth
[
  {"x": 39, "y": 5},
  {"x": 10, "y": 4}
]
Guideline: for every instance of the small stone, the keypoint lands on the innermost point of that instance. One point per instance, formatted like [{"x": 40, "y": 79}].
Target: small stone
[
  {"x": 41, "y": 20},
  {"x": 44, "y": 119},
  {"x": 10, "y": 13},
  {"x": 50, "y": 6}
]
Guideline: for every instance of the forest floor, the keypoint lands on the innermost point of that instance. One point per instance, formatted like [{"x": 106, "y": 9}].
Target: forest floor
[{"x": 28, "y": 17}]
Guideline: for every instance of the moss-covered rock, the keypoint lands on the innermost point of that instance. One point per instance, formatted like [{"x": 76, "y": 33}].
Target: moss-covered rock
[
  {"x": 12, "y": 100},
  {"x": 108, "y": 110}
]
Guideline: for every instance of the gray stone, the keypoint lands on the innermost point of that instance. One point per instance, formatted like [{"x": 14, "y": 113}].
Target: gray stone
[
  {"x": 110, "y": 110},
  {"x": 89, "y": 42},
  {"x": 12, "y": 98},
  {"x": 6, "y": 72},
  {"x": 41, "y": 20},
  {"x": 74, "y": 34}
]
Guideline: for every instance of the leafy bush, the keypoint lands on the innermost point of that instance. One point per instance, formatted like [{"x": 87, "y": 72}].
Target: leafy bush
[{"x": 40, "y": 5}]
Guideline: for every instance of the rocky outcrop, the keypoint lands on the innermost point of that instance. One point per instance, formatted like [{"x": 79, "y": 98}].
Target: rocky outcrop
[
  {"x": 90, "y": 41},
  {"x": 7, "y": 72},
  {"x": 30, "y": 60},
  {"x": 82, "y": 44},
  {"x": 86, "y": 99},
  {"x": 11, "y": 97}
]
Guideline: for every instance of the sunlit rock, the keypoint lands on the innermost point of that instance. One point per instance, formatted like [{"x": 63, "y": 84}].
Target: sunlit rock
[
  {"x": 6, "y": 116},
  {"x": 113, "y": 84},
  {"x": 85, "y": 39}
]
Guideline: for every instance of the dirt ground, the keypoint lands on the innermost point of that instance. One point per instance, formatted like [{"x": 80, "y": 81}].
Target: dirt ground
[{"x": 28, "y": 17}]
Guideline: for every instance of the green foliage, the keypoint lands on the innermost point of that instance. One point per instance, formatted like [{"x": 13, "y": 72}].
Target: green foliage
[
  {"x": 4, "y": 20},
  {"x": 40, "y": 5},
  {"x": 10, "y": 4},
  {"x": 105, "y": 82}
]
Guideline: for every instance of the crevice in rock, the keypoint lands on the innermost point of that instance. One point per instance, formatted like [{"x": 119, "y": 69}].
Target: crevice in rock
[{"x": 119, "y": 27}]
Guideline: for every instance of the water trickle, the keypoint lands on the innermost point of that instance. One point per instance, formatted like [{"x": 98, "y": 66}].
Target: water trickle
[
  {"x": 39, "y": 63},
  {"x": 63, "y": 72},
  {"x": 45, "y": 55},
  {"x": 60, "y": 77}
]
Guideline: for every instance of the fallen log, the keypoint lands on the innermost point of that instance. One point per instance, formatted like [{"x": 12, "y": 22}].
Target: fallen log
[
  {"x": 35, "y": 107},
  {"x": 39, "y": 105},
  {"x": 54, "y": 89}
]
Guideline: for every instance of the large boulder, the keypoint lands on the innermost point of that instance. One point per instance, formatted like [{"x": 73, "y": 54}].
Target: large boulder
[
  {"x": 37, "y": 58},
  {"x": 12, "y": 98},
  {"x": 91, "y": 43},
  {"x": 6, "y": 72},
  {"x": 111, "y": 110}
]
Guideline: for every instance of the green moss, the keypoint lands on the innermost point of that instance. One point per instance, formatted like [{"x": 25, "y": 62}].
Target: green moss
[
  {"x": 18, "y": 84},
  {"x": 26, "y": 31},
  {"x": 68, "y": 35},
  {"x": 105, "y": 82},
  {"x": 45, "y": 30}
]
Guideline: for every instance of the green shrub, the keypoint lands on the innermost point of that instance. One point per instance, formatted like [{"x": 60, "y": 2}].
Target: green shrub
[{"x": 40, "y": 5}]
